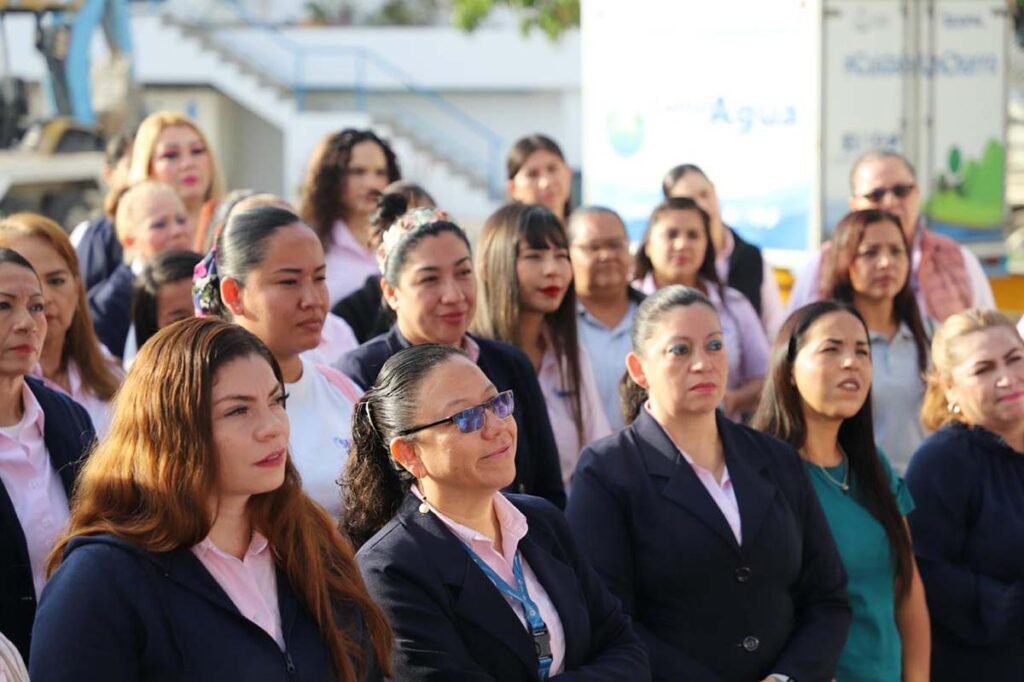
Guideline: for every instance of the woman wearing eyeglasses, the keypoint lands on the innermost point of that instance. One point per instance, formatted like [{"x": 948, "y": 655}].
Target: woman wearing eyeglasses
[{"x": 477, "y": 585}]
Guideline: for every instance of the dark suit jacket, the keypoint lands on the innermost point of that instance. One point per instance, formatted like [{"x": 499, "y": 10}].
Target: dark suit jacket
[
  {"x": 110, "y": 303},
  {"x": 118, "y": 613},
  {"x": 451, "y": 623},
  {"x": 706, "y": 607},
  {"x": 99, "y": 252},
  {"x": 365, "y": 311},
  {"x": 538, "y": 471},
  {"x": 68, "y": 434}
]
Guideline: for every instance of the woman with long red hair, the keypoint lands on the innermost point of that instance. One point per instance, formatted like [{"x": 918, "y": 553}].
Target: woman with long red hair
[{"x": 192, "y": 552}]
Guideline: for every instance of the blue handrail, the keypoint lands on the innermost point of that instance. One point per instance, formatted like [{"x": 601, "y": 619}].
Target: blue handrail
[{"x": 365, "y": 59}]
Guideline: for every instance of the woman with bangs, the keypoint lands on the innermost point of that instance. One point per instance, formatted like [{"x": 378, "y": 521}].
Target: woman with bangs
[
  {"x": 192, "y": 552},
  {"x": 72, "y": 360},
  {"x": 868, "y": 267},
  {"x": 529, "y": 301},
  {"x": 677, "y": 248}
]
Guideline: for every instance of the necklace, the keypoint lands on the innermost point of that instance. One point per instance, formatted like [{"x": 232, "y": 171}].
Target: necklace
[{"x": 844, "y": 484}]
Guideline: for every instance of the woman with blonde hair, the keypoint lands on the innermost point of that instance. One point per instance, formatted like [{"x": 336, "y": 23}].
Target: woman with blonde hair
[
  {"x": 72, "y": 360},
  {"x": 967, "y": 480},
  {"x": 192, "y": 552},
  {"x": 171, "y": 148}
]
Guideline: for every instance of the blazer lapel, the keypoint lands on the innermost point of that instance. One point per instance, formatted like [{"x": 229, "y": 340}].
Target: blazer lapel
[
  {"x": 754, "y": 490},
  {"x": 682, "y": 486},
  {"x": 475, "y": 596},
  {"x": 562, "y": 587},
  {"x": 185, "y": 569}
]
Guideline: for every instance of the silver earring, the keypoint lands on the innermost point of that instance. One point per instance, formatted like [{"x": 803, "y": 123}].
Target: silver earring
[{"x": 953, "y": 408}]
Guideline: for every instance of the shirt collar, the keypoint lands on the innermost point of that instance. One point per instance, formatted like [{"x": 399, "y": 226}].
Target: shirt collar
[
  {"x": 344, "y": 239},
  {"x": 257, "y": 545},
  {"x": 512, "y": 521},
  {"x": 902, "y": 332},
  {"x": 698, "y": 469}
]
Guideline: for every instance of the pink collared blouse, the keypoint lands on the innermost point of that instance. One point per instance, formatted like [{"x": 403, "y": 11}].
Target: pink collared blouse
[
  {"x": 34, "y": 487},
  {"x": 250, "y": 582},
  {"x": 349, "y": 263},
  {"x": 513, "y": 529}
]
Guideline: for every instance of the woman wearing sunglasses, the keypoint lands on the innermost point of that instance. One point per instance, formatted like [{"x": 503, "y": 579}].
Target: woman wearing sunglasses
[{"x": 477, "y": 584}]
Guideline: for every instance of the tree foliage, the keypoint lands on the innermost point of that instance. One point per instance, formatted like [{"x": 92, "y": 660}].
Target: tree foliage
[{"x": 553, "y": 17}]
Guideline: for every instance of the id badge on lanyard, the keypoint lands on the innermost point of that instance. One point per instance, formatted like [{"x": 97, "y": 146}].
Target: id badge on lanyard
[{"x": 535, "y": 624}]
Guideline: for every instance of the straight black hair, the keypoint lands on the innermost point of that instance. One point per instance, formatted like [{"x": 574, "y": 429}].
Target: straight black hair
[
  {"x": 373, "y": 483},
  {"x": 506, "y": 231},
  {"x": 781, "y": 414}
]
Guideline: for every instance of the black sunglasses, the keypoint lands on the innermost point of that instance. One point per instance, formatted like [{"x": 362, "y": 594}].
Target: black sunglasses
[
  {"x": 472, "y": 418},
  {"x": 899, "y": 191}
]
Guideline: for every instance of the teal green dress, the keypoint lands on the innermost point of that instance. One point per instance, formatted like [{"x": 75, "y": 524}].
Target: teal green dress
[{"x": 873, "y": 652}]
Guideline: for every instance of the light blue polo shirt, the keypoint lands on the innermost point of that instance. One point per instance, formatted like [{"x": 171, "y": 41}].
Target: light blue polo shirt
[
  {"x": 607, "y": 349},
  {"x": 897, "y": 390}
]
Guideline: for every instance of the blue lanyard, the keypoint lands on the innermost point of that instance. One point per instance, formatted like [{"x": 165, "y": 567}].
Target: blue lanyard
[{"x": 538, "y": 630}]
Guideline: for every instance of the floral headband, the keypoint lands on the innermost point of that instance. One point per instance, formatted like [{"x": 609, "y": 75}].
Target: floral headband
[
  {"x": 409, "y": 221},
  {"x": 206, "y": 286}
]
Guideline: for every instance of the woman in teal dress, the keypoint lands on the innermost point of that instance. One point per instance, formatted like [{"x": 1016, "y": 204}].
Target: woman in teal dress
[{"x": 816, "y": 398}]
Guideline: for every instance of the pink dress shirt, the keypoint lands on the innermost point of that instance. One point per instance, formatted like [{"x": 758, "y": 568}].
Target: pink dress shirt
[
  {"x": 563, "y": 426},
  {"x": 722, "y": 492},
  {"x": 349, "y": 263},
  {"x": 98, "y": 409},
  {"x": 513, "y": 529},
  {"x": 33, "y": 485},
  {"x": 250, "y": 583}
]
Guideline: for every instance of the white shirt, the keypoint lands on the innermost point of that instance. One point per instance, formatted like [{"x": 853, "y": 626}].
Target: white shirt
[{"x": 320, "y": 414}]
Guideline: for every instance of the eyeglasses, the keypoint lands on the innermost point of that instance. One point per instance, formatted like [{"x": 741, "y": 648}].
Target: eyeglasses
[
  {"x": 472, "y": 418},
  {"x": 593, "y": 248},
  {"x": 900, "y": 191}
]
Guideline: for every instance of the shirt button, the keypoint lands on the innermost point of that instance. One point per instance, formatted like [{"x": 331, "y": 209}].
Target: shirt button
[
  {"x": 47, "y": 523},
  {"x": 751, "y": 644},
  {"x": 743, "y": 574},
  {"x": 33, "y": 485}
]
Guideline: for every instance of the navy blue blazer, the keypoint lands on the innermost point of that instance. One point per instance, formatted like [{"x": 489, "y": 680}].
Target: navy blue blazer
[
  {"x": 708, "y": 608},
  {"x": 99, "y": 252},
  {"x": 451, "y": 623},
  {"x": 968, "y": 530},
  {"x": 538, "y": 471},
  {"x": 68, "y": 435},
  {"x": 116, "y": 612},
  {"x": 110, "y": 303}
]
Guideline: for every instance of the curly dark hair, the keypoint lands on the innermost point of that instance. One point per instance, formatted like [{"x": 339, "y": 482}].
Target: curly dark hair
[{"x": 320, "y": 204}]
